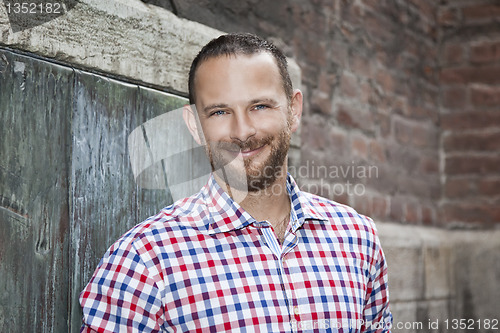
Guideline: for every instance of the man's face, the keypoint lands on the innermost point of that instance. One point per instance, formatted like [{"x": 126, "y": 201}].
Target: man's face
[{"x": 245, "y": 117}]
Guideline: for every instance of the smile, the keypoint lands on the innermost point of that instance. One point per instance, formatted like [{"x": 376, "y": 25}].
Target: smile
[{"x": 248, "y": 153}]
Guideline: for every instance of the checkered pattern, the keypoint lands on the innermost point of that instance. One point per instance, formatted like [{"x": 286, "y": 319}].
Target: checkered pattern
[{"x": 204, "y": 264}]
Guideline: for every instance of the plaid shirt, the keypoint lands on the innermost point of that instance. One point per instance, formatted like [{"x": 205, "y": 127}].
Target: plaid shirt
[{"x": 204, "y": 264}]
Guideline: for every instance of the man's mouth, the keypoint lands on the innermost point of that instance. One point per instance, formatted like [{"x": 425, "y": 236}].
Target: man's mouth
[
  {"x": 234, "y": 150},
  {"x": 245, "y": 152},
  {"x": 251, "y": 152}
]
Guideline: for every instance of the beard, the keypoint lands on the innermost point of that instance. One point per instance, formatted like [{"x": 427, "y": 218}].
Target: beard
[{"x": 246, "y": 174}]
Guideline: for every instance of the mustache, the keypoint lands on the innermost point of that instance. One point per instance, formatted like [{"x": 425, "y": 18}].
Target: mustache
[{"x": 237, "y": 145}]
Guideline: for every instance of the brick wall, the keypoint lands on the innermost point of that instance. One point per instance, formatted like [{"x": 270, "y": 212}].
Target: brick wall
[
  {"x": 372, "y": 103},
  {"x": 470, "y": 112},
  {"x": 371, "y": 96},
  {"x": 401, "y": 100},
  {"x": 391, "y": 84}
]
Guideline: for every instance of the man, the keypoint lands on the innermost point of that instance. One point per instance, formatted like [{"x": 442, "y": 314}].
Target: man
[{"x": 250, "y": 251}]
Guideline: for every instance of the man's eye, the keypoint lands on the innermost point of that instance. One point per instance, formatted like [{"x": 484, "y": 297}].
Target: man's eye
[
  {"x": 261, "y": 107},
  {"x": 218, "y": 113}
]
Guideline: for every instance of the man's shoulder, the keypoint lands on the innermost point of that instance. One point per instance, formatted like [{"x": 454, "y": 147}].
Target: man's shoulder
[
  {"x": 182, "y": 217},
  {"x": 335, "y": 212}
]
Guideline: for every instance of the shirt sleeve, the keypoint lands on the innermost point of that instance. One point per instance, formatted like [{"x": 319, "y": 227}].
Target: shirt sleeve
[
  {"x": 121, "y": 296},
  {"x": 377, "y": 316}
]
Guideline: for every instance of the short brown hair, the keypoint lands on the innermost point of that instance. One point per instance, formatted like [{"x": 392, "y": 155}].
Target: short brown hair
[{"x": 239, "y": 43}]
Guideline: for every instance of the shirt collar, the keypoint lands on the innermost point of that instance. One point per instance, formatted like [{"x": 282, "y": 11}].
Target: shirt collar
[
  {"x": 303, "y": 208},
  {"x": 227, "y": 215}
]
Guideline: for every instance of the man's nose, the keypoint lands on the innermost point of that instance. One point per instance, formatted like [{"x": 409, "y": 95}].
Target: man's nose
[{"x": 243, "y": 127}]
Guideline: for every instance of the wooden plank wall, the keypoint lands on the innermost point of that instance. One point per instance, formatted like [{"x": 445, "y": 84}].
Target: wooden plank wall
[{"x": 67, "y": 191}]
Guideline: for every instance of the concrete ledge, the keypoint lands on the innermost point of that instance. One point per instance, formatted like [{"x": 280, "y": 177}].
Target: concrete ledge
[
  {"x": 126, "y": 38},
  {"x": 437, "y": 274},
  {"x": 123, "y": 37}
]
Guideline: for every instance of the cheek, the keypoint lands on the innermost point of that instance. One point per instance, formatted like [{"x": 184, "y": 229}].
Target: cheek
[
  {"x": 214, "y": 131},
  {"x": 270, "y": 123}
]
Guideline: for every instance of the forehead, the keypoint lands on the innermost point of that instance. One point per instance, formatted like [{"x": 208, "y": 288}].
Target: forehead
[{"x": 237, "y": 76}]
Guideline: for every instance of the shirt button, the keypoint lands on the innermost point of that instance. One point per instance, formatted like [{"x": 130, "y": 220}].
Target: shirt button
[{"x": 296, "y": 310}]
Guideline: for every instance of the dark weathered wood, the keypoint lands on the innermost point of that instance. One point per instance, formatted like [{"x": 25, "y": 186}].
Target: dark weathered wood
[
  {"x": 35, "y": 101},
  {"x": 106, "y": 200},
  {"x": 67, "y": 191}
]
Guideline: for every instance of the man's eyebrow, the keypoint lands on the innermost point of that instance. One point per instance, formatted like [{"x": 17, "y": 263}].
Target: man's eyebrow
[
  {"x": 263, "y": 100},
  {"x": 209, "y": 108}
]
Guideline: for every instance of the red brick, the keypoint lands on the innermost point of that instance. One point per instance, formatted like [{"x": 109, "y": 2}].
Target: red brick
[
  {"x": 384, "y": 122},
  {"x": 326, "y": 82},
  {"x": 470, "y": 120},
  {"x": 317, "y": 188},
  {"x": 413, "y": 49},
  {"x": 419, "y": 186},
  {"x": 380, "y": 30},
  {"x": 353, "y": 117},
  {"x": 426, "y": 136},
  {"x": 423, "y": 93},
  {"x": 338, "y": 142},
  {"x": 416, "y": 133},
  {"x": 397, "y": 210},
  {"x": 454, "y": 98},
  {"x": 489, "y": 187},
  {"x": 314, "y": 52},
  {"x": 481, "y": 12},
  {"x": 362, "y": 204},
  {"x": 375, "y": 5},
  {"x": 453, "y": 54},
  {"x": 383, "y": 179},
  {"x": 321, "y": 102},
  {"x": 342, "y": 198},
  {"x": 422, "y": 112},
  {"x": 428, "y": 214},
  {"x": 448, "y": 17},
  {"x": 386, "y": 81},
  {"x": 313, "y": 135},
  {"x": 412, "y": 212},
  {"x": 480, "y": 213},
  {"x": 429, "y": 164},
  {"x": 400, "y": 105},
  {"x": 465, "y": 75},
  {"x": 402, "y": 131},
  {"x": 367, "y": 95},
  {"x": 379, "y": 207},
  {"x": 359, "y": 146},
  {"x": 458, "y": 187},
  {"x": 485, "y": 52},
  {"x": 402, "y": 156},
  {"x": 348, "y": 85},
  {"x": 354, "y": 12},
  {"x": 483, "y": 95},
  {"x": 361, "y": 66},
  {"x": 477, "y": 141},
  {"x": 426, "y": 8},
  {"x": 382, "y": 103},
  {"x": 434, "y": 190},
  {"x": 479, "y": 165},
  {"x": 377, "y": 152},
  {"x": 338, "y": 53}
]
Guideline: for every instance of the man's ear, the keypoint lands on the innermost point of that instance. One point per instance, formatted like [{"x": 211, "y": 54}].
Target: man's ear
[
  {"x": 296, "y": 109},
  {"x": 191, "y": 119}
]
